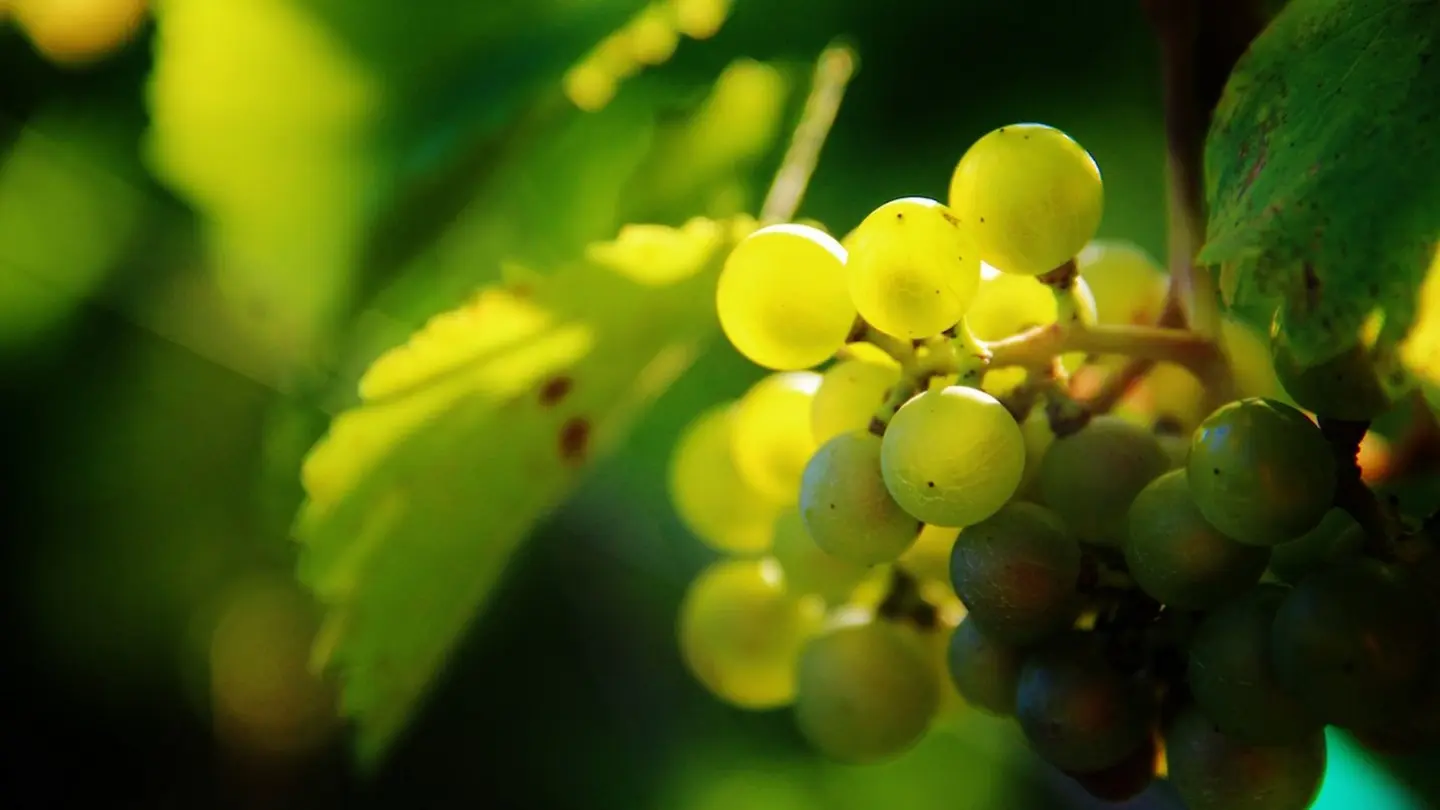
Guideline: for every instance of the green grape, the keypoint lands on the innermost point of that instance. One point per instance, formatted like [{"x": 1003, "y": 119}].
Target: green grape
[
  {"x": 771, "y": 438},
  {"x": 866, "y": 692},
  {"x": 847, "y": 507},
  {"x": 783, "y": 297},
  {"x": 952, "y": 456},
  {"x": 1176, "y": 447},
  {"x": 1230, "y": 674},
  {"x": 929, "y": 557},
  {"x": 1212, "y": 771},
  {"x": 808, "y": 569},
  {"x": 1354, "y": 643},
  {"x": 1179, "y": 558},
  {"x": 1078, "y": 713},
  {"x": 912, "y": 274},
  {"x": 986, "y": 672},
  {"x": 1129, "y": 286},
  {"x": 712, "y": 499},
  {"x": 1006, "y": 305},
  {"x": 1031, "y": 196},
  {"x": 1124, "y": 781},
  {"x": 1261, "y": 472},
  {"x": 741, "y": 634},
  {"x": 1344, "y": 386},
  {"x": 851, "y": 391},
  {"x": 1090, "y": 477},
  {"x": 1337, "y": 536},
  {"x": 1017, "y": 573}
]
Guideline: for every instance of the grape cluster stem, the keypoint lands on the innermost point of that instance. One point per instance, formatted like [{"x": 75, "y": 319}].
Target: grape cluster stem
[{"x": 1381, "y": 524}]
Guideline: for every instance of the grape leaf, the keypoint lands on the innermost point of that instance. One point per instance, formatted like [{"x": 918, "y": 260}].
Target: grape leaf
[
  {"x": 468, "y": 434},
  {"x": 1323, "y": 172}
]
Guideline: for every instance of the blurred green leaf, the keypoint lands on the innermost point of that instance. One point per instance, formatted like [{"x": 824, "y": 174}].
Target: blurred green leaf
[
  {"x": 1323, "y": 171},
  {"x": 468, "y": 435},
  {"x": 482, "y": 422}
]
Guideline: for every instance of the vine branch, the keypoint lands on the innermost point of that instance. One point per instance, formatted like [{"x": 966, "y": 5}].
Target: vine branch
[
  {"x": 1200, "y": 42},
  {"x": 832, "y": 73}
]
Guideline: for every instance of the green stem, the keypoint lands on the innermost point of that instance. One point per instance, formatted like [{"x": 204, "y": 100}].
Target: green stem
[{"x": 833, "y": 71}]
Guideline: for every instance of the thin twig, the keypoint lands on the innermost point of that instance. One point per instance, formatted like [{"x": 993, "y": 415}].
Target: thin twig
[
  {"x": 832, "y": 73},
  {"x": 1120, "y": 382}
]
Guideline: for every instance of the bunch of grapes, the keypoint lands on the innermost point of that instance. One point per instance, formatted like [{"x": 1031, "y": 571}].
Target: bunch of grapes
[{"x": 1147, "y": 583}]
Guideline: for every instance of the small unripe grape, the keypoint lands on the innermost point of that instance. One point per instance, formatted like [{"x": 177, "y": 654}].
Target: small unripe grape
[
  {"x": 1030, "y": 195},
  {"x": 912, "y": 273},
  {"x": 783, "y": 298}
]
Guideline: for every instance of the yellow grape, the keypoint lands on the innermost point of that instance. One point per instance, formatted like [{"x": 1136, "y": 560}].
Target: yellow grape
[
  {"x": 771, "y": 439},
  {"x": 953, "y": 456},
  {"x": 851, "y": 391},
  {"x": 912, "y": 273},
  {"x": 808, "y": 569},
  {"x": 1007, "y": 304},
  {"x": 1168, "y": 395},
  {"x": 700, "y": 19},
  {"x": 651, "y": 35},
  {"x": 712, "y": 499},
  {"x": 1249, "y": 355},
  {"x": 782, "y": 297},
  {"x": 1031, "y": 196},
  {"x": 741, "y": 633},
  {"x": 1128, "y": 285},
  {"x": 74, "y": 32},
  {"x": 929, "y": 557}
]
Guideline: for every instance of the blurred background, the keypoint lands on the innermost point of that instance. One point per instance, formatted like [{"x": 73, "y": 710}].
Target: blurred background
[{"x": 215, "y": 213}]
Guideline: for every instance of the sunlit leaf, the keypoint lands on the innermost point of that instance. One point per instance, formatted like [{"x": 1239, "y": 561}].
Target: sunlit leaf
[
  {"x": 1323, "y": 171},
  {"x": 467, "y": 435}
]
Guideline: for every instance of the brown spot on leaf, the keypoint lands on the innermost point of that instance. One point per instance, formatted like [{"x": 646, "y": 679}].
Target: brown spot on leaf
[
  {"x": 574, "y": 440},
  {"x": 555, "y": 390}
]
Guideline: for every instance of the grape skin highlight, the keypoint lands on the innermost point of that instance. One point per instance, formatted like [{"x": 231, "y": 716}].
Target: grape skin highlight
[
  {"x": 847, "y": 508},
  {"x": 912, "y": 274},
  {"x": 1030, "y": 195},
  {"x": 740, "y": 633},
  {"x": 953, "y": 456},
  {"x": 867, "y": 692},
  {"x": 783, "y": 297},
  {"x": 1260, "y": 472}
]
